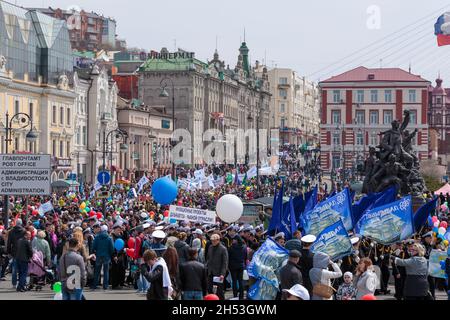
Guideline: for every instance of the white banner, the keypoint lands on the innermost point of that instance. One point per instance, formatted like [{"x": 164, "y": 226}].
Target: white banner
[
  {"x": 251, "y": 173},
  {"x": 192, "y": 215},
  {"x": 142, "y": 182},
  {"x": 45, "y": 207},
  {"x": 199, "y": 173}
]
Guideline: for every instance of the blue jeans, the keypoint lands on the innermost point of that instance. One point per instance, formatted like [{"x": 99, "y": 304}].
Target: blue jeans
[
  {"x": 142, "y": 284},
  {"x": 192, "y": 295},
  {"x": 22, "y": 268},
  {"x": 77, "y": 294},
  {"x": 14, "y": 272},
  {"x": 99, "y": 263}
]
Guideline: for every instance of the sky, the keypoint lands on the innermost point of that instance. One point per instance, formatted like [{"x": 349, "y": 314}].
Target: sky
[{"x": 310, "y": 37}]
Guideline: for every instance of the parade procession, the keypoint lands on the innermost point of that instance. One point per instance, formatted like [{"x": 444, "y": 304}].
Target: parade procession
[{"x": 128, "y": 174}]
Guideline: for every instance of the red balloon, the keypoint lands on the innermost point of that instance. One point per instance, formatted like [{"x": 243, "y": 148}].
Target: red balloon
[
  {"x": 211, "y": 297},
  {"x": 99, "y": 215},
  {"x": 75, "y": 200},
  {"x": 131, "y": 242},
  {"x": 166, "y": 213},
  {"x": 369, "y": 297},
  {"x": 180, "y": 203},
  {"x": 444, "y": 224},
  {"x": 35, "y": 212},
  {"x": 92, "y": 213},
  {"x": 152, "y": 213},
  {"x": 130, "y": 253}
]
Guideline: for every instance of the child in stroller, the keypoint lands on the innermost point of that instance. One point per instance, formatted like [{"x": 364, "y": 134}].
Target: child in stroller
[{"x": 39, "y": 275}]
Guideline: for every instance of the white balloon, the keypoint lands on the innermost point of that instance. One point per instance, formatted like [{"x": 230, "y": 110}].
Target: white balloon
[
  {"x": 229, "y": 208},
  {"x": 441, "y": 230}
]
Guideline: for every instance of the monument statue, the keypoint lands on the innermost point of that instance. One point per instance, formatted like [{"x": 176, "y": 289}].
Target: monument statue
[
  {"x": 2, "y": 64},
  {"x": 395, "y": 162}
]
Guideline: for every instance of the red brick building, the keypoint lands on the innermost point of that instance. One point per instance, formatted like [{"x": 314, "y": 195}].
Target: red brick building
[{"x": 358, "y": 104}]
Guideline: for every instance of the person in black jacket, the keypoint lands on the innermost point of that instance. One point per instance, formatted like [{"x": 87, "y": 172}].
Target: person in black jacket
[
  {"x": 306, "y": 261},
  {"x": 193, "y": 277},
  {"x": 157, "y": 290},
  {"x": 237, "y": 255},
  {"x": 290, "y": 274},
  {"x": 182, "y": 247},
  {"x": 23, "y": 257},
  {"x": 3, "y": 255},
  {"x": 14, "y": 236}
]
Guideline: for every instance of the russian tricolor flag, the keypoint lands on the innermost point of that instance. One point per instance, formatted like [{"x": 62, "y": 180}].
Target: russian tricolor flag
[{"x": 442, "y": 29}]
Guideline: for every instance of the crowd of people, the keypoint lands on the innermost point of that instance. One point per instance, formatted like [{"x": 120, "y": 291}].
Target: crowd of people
[{"x": 132, "y": 244}]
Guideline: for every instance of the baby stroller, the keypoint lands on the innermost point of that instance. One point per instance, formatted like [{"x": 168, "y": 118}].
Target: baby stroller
[{"x": 39, "y": 276}]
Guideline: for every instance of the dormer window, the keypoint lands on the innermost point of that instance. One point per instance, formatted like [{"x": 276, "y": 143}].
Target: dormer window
[{"x": 371, "y": 76}]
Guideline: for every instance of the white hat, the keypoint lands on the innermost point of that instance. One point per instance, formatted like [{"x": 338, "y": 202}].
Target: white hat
[
  {"x": 354, "y": 240},
  {"x": 144, "y": 215},
  {"x": 309, "y": 238},
  {"x": 104, "y": 228},
  {"x": 198, "y": 231},
  {"x": 159, "y": 228},
  {"x": 146, "y": 225},
  {"x": 159, "y": 234},
  {"x": 299, "y": 291}
]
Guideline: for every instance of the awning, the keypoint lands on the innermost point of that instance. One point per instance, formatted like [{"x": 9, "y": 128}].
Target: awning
[
  {"x": 444, "y": 190},
  {"x": 64, "y": 184},
  {"x": 123, "y": 181}
]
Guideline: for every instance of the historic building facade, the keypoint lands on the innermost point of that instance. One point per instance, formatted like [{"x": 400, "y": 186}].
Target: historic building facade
[
  {"x": 208, "y": 95},
  {"x": 439, "y": 121},
  {"x": 359, "y": 104}
]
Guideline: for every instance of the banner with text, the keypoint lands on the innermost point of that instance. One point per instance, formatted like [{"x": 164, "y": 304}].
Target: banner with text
[
  {"x": 434, "y": 264},
  {"x": 192, "y": 215},
  {"x": 389, "y": 223},
  {"x": 334, "y": 241}
]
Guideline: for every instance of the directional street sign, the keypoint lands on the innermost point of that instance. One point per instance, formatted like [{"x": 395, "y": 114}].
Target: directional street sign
[
  {"x": 72, "y": 176},
  {"x": 103, "y": 177}
]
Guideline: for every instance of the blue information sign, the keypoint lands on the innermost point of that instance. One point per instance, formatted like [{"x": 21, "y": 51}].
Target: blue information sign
[{"x": 103, "y": 177}]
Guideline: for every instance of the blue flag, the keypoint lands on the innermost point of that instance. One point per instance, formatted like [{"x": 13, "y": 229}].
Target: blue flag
[
  {"x": 236, "y": 178},
  {"x": 288, "y": 222},
  {"x": 352, "y": 195},
  {"x": 312, "y": 200},
  {"x": 299, "y": 206},
  {"x": 334, "y": 241},
  {"x": 420, "y": 217},
  {"x": 277, "y": 210},
  {"x": 371, "y": 201},
  {"x": 389, "y": 223},
  {"x": 327, "y": 213}
]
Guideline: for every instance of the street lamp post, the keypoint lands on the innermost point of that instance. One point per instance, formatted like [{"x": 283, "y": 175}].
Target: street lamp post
[
  {"x": 250, "y": 119},
  {"x": 151, "y": 138},
  {"x": 165, "y": 94},
  {"x": 31, "y": 136},
  {"x": 123, "y": 147}
]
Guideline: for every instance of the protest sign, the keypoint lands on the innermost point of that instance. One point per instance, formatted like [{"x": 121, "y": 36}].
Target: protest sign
[{"x": 192, "y": 214}]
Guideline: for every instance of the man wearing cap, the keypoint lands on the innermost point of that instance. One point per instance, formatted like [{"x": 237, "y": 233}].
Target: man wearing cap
[
  {"x": 306, "y": 260},
  {"x": 279, "y": 238},
  {"x": 118, "y": 263},
  {"x": 103, "y": 248},
  {"x": 291, "y": 274}
]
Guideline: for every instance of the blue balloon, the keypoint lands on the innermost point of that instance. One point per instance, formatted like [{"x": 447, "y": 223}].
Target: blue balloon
[
  {"x": 442, "y": 264},
  {"x": 172, "y": 221},
  {"x": 435, "y": 229},
  {"x": 447, "y": 236},
  {"x": 164, "y": 191},
  {"x": 119, "y": 244}
]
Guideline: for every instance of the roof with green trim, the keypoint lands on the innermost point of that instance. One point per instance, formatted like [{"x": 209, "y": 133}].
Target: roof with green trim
[{"x": 178, "y": 64}]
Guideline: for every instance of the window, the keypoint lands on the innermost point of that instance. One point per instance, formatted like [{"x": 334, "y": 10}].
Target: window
[
  {"x": 373, "y": 96},
  {"x": 54, "y": 114},
  {"x": 61, "y": 149},
  {"x": 84, "y": 135},
  {"x": 336, "y": 161},
  {"x": 373, "y": 117},
  {"x": 412, "y": 95},
  {"x": 16, "y": 106},
  {"x": 68, "y": 116},
  {"x": 360, "y": 96},
  {"x": 336, "y": 138},
  {"x": 335, "y": 116},
  {"x": 283, "y": 93},
  {"x": 413, "y": 116},
  {"x": 438, "y": 100},
  {"x": 54, "y": 148},
  {"x": 387, "y": 116},
  {"x": 282, "y": 108},
  {"x": 61, "y": 115},
  {"x": 373, "y": 139},
  {"x": 359, "y": 138},
  {"x": 165, "y": 124},
  {"x": 68, "y": 149},
  {"x": 283, "y": 80},
  {"x": 360, "y": 117},
  {"x": 31, "y": 110},
  {"x": 16, "y": 144},
  {"x": 387, "y": 95},
  {"x": 336, "y": 96},
  {"x": 78, "y": 136},
  {"x": 283, "y": 123}
]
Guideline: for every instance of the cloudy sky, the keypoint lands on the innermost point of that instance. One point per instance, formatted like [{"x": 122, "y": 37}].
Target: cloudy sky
[{"x": 311, "y": 37}]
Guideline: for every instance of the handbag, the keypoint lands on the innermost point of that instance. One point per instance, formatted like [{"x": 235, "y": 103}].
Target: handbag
[{"x": 323, "y": 290}]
